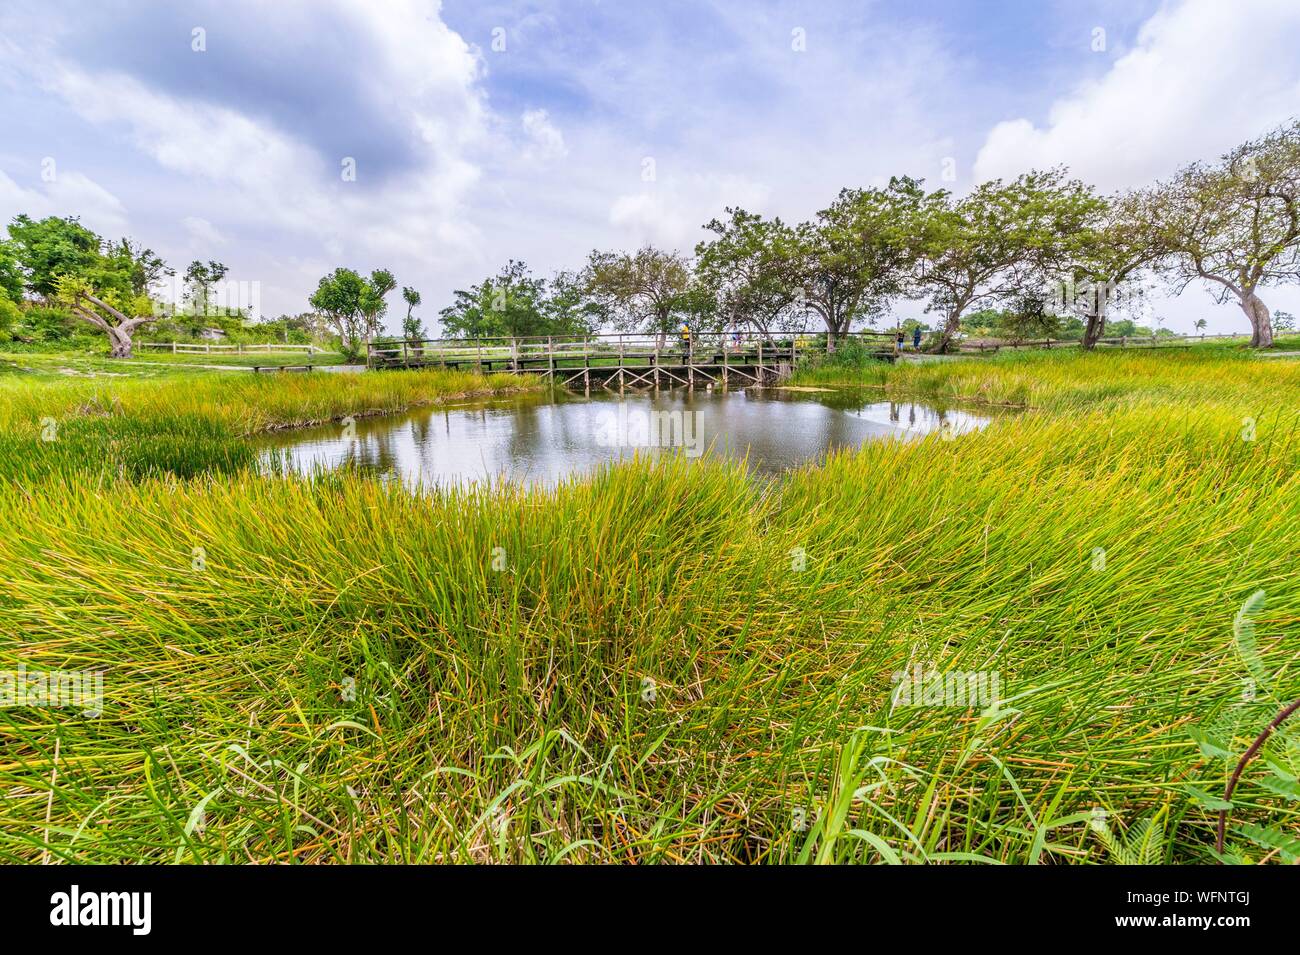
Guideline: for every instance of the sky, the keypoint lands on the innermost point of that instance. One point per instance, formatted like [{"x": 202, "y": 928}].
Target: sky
[{"x": 439, "y": 140}]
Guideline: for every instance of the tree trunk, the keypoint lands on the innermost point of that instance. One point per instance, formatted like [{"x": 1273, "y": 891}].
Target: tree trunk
[
  {"x": 1261, "y": 322},
  {"x": 951, "y": 326},
  {"x": 119, "y": 343},
  {"x": 1096, "y": 327}
]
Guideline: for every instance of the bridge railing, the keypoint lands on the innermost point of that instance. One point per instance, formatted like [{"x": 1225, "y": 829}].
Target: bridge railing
[
  {"x": 626, "y": 349},
  {"x": 1120, "y": 341}
]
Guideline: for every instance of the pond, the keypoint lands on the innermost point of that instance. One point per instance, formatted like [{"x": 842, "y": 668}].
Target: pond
[{"x": 541, "y": 438}]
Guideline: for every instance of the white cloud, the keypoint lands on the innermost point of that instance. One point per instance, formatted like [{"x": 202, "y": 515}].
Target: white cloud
[
  {"x": 545, "y": 141},
  {"x": 68, "y": 194},
  {"x": 270, "y": 187},
  {"x": 203, "y": 232},
  {"x": 1202, "y": 76},
  {"x": 670, "y": 213}
]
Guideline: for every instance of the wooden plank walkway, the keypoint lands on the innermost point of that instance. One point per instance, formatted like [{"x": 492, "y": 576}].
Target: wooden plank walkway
[{"x": 620, "y": 362}]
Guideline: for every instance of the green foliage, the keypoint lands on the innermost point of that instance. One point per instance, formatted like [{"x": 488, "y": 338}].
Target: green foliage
[
  {"x": 855, "y": 256},
  {"x": 514, "y": 304},
  {"x": 198, "y": 309},
  {"x": 648, "y": 291},
  {"x": 1029, "y": 320},
  {"x": 743, "y": 271},
  {"x": 1143, "y": 844},
  {"x": 10, "y": 315},
  {"x": 353, "y": 305},
  {"x": 999, "y": 243},
  {"x": 412, "y": 327},
  {"x": 41, "y": 324},
  {"x": 50, "y": 248},
  {"x": 11, "y": 276}
]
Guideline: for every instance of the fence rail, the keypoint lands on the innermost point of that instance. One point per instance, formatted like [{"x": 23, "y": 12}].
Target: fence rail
[
  {"x": 209, "y": 348},
  {"x": 1123, "y": 341}
]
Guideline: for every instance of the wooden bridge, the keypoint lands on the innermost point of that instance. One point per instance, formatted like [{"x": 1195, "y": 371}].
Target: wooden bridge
[{"x": 618, "y": 362}]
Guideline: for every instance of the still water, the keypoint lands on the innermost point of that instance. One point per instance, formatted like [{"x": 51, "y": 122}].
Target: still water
[{"x": 543, "y": 438}]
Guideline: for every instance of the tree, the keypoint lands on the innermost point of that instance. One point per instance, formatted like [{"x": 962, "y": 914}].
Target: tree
[
  {"x": 374, "y": 304},
  {"x": 568, "y": 309},
  {"x": 1236, "y": 224},
  {"x": 1200, "y": 323},
  {"x": 199, "y": 280},
  {"x": 11, "y": 274},
  {"x": 1109, "y": 255},
  {"x": 855, "y": 256},
  {"x": 509, "y": 304},
  {"x": 51, "y": 248},
  {"x": 111, "y": 289},
  {"x": 642, "y": 291},
  {"x": 742, "y": 271},
  {"x": 353, "y": 306},
  {"x": 412, "y": 327},
  {"x": 11, "y": 290},
  {"x": 997, "y": 243},
  {"x": 338, "y": 297}
]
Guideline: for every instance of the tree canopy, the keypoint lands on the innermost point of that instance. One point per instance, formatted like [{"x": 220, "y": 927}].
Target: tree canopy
[
  {"x": 516, "y": 304},
  {"x": 1235, "y": 224}
]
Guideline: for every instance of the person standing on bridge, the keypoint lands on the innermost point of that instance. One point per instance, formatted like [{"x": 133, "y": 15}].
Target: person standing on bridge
[
  {"x": 916, "y": 338},
  {"x": 686, "y": 340}
]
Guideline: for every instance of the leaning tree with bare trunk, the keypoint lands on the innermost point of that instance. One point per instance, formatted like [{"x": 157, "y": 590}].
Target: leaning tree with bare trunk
[
  {"x": 1236, "y": 224},
  {"x": 117, "y": 321},
  {"x": 997, "y": 243},
  {"x": 111, "y": 292}
]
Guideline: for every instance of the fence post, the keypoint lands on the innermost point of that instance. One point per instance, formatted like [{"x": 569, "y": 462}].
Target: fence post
[{"x": 550, "y": 354}]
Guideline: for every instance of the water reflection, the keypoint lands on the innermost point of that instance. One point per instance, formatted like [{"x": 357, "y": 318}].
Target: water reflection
[{"x": 542, "y": 438}]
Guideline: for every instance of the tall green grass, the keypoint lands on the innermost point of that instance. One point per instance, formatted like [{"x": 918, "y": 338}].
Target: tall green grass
[
  {"x": 192, "y": 424},
  {"x": 674, "y": 663}
]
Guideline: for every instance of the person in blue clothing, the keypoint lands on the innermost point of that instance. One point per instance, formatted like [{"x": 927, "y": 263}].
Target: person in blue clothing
[{"x": 916, "y": 338}]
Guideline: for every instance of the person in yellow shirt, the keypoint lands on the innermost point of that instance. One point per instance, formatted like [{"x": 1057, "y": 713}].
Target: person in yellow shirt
[{"x": 686, "y": 340}]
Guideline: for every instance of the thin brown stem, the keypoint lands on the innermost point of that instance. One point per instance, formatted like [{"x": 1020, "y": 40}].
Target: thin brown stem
[{"x": 1241, "y": 765}]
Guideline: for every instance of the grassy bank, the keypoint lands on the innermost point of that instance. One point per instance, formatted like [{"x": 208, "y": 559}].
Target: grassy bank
[
  {"x": 193, "y": 422},
  {"x": 674, "y": 663},
  {"x": 1059, "y": 380}
]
